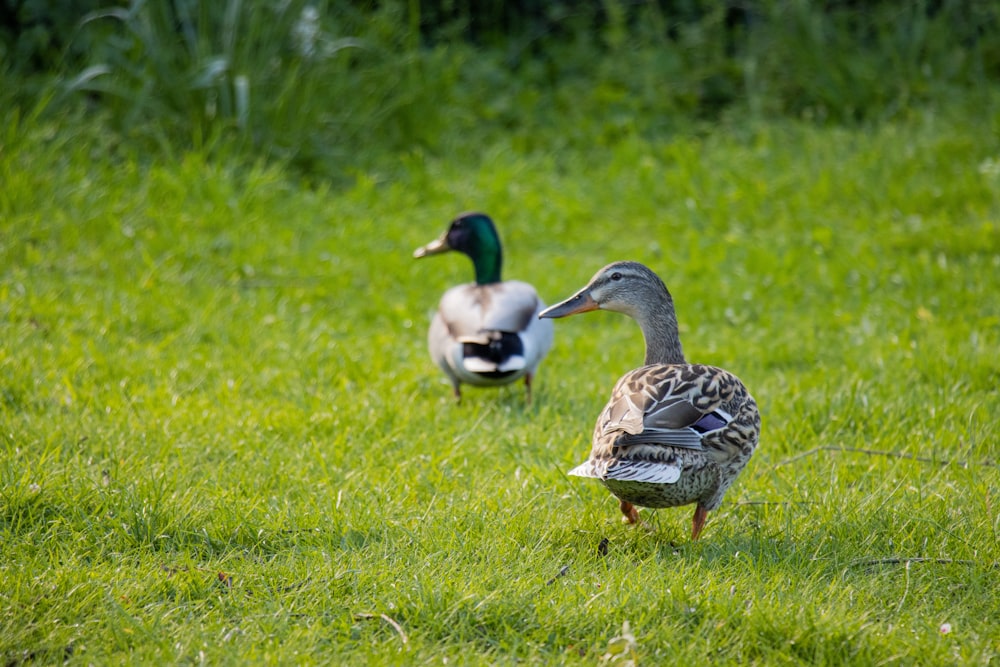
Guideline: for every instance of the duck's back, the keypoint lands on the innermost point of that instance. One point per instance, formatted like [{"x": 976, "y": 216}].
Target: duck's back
[
  {"x": 487, "y": 334},
  {"x": 470, "y": 309},
  {"x": 673, "y": 434}
]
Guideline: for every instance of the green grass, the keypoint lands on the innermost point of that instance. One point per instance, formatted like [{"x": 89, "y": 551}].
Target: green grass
[
  {"x": 223, "y": 440},
  {"x": 328, "y": 87}
]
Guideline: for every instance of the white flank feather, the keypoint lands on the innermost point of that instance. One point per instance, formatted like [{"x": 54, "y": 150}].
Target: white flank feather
[{"x": 644, "y": 471}]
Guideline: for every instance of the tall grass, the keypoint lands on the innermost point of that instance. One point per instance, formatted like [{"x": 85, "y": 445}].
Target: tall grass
[
  {"x": 868, "y": 61},
  {"x": 332, "y": 86}
]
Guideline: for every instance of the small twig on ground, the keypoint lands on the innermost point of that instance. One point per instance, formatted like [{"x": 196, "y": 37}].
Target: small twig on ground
[
  {"x": 387, "y": 619},
  {"x": 298, "y": 585},
  {"x": 777, "y": 502},
  {"x": 906, "y": 589},
  {"x": 907, "y": 561},
  {"x": 876, "y": 452},
  {"x": 563, "y": 571}
]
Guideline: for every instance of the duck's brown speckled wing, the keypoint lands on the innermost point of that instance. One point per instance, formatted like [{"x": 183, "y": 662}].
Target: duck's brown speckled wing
[
  {"x": 658, "y": 412},
  {"x": 671, "y": 405}
]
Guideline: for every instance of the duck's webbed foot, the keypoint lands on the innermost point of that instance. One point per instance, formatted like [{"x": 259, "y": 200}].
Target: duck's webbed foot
[{"x": 630, "y": 512}]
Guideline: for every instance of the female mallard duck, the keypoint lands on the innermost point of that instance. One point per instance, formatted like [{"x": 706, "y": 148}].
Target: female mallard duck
[
  {"x": 673, "y": 433},
  {"x": 485, "y": 333}
]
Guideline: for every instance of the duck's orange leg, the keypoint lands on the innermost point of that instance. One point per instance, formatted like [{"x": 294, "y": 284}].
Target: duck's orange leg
[
  {"x": 698, "y": 521},
  {"x": 630, "y": 512}
]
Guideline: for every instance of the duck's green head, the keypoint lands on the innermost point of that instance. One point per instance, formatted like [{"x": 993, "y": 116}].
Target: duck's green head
[{"x": 474, "y": 235}]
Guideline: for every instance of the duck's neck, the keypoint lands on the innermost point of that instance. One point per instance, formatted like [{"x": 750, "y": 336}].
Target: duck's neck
[
  {"x": 659, "y": 329},
  {"x": 487, "y": 259}
]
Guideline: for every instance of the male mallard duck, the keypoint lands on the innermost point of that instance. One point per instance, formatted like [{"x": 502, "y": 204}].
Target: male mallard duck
[
  {"x": 673, "y": 433},
  {"x": 485, "y": 333}
]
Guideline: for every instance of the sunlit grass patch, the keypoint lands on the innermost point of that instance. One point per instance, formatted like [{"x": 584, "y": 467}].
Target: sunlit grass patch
[{"x": 223, "y": 438}]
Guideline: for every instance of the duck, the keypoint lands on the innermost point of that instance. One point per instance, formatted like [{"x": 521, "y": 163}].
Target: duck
[
  {"x": 485, "y": 333},
  {"x": 673, "y": 433}
]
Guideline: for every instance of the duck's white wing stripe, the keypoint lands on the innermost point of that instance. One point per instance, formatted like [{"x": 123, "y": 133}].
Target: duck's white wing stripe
[
  {"x": 653, "y": 472},
  {"x": 478, "y": 365},
  {"x": 585, "y": 469},
  {"x": 512, "y": 363}
]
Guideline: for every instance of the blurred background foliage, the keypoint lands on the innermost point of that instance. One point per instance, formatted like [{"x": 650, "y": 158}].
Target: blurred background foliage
[{"x": 327, "y": 86}]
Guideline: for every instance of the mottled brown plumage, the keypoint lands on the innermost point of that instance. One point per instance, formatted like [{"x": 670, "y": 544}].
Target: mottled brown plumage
[{"x": 672, "y": 433}]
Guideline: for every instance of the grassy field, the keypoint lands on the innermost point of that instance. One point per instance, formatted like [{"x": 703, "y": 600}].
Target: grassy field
[{"x": 223, "y": 440}]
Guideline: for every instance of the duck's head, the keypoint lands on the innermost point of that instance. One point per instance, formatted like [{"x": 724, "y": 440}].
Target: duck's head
[
  {"x": 631, "y": 288},
  {"x": 472, "y": 234},
  {"x": 624, "y": 287}
]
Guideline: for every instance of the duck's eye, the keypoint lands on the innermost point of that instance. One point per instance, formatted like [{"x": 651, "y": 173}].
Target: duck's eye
[{"x": 616, "y": 276}]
